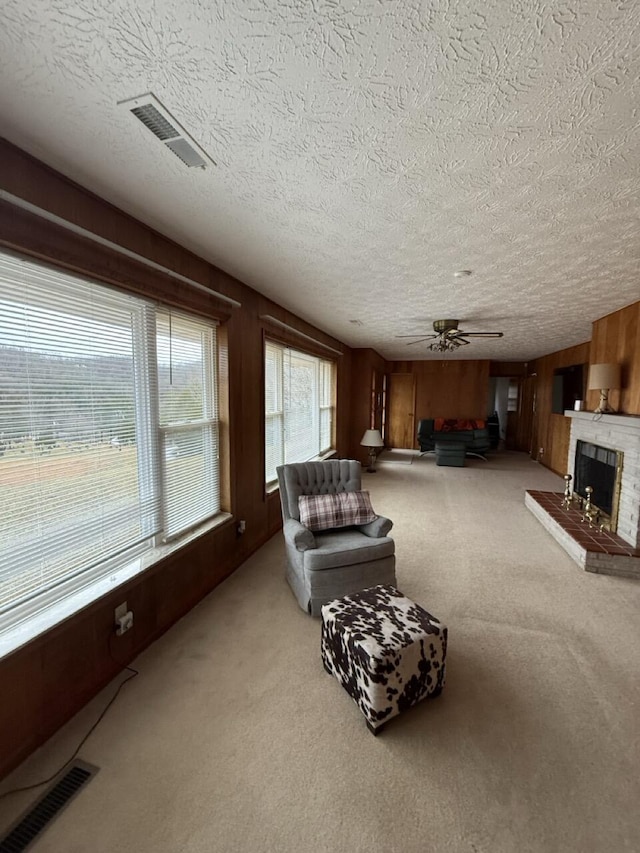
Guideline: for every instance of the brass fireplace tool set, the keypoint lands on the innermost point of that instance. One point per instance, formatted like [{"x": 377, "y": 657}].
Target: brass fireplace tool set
[{"x": 590, "y": 513}]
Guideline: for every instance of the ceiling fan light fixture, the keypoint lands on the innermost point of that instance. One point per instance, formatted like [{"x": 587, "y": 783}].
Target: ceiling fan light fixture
[
  {"x": 444, "y": 345},
  {"x": 448, "y": 337}
]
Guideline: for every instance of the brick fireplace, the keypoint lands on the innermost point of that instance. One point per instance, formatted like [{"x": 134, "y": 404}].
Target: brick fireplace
[
  {"x": 614, "y": 552},
  {"x": 622, "y": 433}
]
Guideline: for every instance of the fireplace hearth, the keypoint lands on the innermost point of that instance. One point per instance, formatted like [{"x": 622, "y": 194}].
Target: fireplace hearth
[
  {"x": 617, "y": 551},
  {"x": 594, "y": 550}
]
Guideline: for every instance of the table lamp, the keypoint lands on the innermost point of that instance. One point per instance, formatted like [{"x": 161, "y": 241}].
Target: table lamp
[
  {"x": 372, "y": 439},
  {"x": 604, "y": 377}
]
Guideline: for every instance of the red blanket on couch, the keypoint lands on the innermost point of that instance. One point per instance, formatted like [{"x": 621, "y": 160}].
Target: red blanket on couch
[{"x": 449, "y": 424}]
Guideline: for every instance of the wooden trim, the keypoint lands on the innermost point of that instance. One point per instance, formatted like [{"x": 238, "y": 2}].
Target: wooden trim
[
  {"x": 39, "y": 185},
  {"x": 290, "y": 337},
  {"x": 32, "y": 236},
  {"x": 115, "y": 247}
]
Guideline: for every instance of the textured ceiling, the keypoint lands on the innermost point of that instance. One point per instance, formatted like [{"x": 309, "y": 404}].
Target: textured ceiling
[{"x": 365, "y": 150}]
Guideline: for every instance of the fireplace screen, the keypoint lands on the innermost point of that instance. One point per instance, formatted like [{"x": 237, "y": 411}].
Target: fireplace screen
[{"x": 601, "y": 469}]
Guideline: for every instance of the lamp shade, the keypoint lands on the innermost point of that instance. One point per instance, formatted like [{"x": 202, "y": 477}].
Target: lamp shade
[
  {"x": 604, "y": 376},
  {"x": 372, "y": 438}
]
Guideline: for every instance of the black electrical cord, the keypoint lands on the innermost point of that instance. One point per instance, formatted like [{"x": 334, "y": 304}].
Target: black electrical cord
[{"x": 132, "y": 674}]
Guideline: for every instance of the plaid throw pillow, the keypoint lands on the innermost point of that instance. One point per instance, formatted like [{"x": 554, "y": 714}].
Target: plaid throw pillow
[{"x": 322, "y": 512}]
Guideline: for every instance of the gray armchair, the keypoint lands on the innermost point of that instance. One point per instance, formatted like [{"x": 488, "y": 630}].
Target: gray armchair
[{"x": 328, "y": 564}]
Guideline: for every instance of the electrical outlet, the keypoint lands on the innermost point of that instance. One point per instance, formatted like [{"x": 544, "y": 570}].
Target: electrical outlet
[
  {"x": 242, "y": 526},
  {"x": 123, "y": 619},
  {"x": 125, "y": 623}
]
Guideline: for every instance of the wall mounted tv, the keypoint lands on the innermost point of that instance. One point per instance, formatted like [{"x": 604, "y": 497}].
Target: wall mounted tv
[{"x": 568, "y": 386}]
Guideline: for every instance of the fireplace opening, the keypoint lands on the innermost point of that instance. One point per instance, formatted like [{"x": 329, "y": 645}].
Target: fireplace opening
[{"x": 599, "y": 468}]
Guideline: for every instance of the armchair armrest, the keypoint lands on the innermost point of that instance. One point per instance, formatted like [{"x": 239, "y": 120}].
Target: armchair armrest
[
  {"x": 298, "y": 535},
  {"x": 377, "y": 528}
]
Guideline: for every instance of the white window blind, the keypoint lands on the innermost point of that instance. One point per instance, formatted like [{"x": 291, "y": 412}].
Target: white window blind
[
  {"x": 81, "y": 472},
  {"x": 299, "y": 407},
  {"x": 274, "y": 410},
  {"x": 326, "y": 393},
  {"x": 188, "y": 421}
]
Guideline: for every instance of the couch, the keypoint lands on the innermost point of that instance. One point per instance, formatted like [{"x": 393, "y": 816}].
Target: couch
[{"x": 473, "y": 433}]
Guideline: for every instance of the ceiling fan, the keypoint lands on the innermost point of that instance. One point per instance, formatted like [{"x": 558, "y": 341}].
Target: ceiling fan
[{"x": 448, "y": 337}]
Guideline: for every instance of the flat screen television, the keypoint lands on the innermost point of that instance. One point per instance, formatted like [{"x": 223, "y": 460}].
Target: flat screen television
[{"x": 568, "y": 386}]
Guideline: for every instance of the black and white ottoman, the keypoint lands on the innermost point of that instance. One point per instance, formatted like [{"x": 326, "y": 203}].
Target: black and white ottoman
[{"x": 386, "y": 651}]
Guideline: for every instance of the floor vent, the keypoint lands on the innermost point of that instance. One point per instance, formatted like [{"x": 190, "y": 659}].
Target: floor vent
[{"x": 48, "y": 807}]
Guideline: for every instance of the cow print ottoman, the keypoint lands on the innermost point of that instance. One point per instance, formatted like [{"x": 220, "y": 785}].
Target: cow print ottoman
[{"x": 386, "y": 651}]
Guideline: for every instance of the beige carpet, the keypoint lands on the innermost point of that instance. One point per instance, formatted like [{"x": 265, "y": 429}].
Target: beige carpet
[
  {"x": 397, "y": 455},
  {"x": 233, "y": 738}
]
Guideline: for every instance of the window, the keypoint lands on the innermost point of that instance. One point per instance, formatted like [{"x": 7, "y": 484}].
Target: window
[
  {"x": 108, "y": 431},
  {"x": 188, "y": 421},
  {"x": 299, "y": 407}
]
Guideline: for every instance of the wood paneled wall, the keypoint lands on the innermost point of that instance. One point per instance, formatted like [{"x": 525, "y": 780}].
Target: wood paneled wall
[
  {"x": 508, "y": 369},
  {"x": 616, "y": 338},
  {"x": 448, "y": 389},
  {"x": 367, "y": 367},
  {"x": 44, "y": 683},
  {"x": 551, "y": 431}
]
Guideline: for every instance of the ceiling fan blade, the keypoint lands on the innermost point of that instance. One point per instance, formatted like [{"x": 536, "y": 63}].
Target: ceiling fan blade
[
  {"x": 424, "y": 338},
  {"x": 411, "y": 343},
  {"x": 481, "y": 334}
]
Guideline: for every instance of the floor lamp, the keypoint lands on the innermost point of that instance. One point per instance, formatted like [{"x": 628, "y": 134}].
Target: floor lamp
[{"x": 373, "y": 440}]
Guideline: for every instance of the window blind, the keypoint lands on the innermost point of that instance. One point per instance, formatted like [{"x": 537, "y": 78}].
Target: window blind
[
  {"x": 188, "y": 421},
  {"x": 299, "y": 409},
  {"x": 274, "y": 410},
  {"x": 87, "y": 468}
]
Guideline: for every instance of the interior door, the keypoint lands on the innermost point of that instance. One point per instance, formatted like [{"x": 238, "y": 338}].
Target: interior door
[
  {"x": 526, "y": 438},
  {"x": 401, "y": 423}
]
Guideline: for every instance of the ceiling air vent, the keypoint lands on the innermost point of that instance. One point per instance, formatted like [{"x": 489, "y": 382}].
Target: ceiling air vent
[{"x": 148, "y": 109}]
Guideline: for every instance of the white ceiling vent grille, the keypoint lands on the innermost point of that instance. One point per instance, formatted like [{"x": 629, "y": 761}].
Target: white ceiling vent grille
[{"x": 148, "y": 109}]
